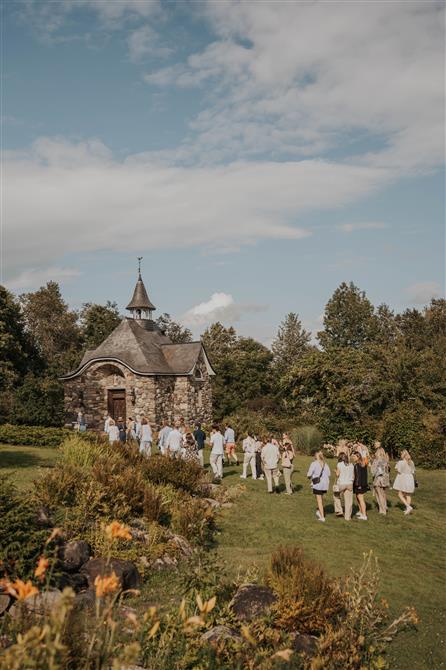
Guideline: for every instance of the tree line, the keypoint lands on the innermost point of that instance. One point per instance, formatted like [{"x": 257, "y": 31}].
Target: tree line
[{"x": 369, "y": 374}]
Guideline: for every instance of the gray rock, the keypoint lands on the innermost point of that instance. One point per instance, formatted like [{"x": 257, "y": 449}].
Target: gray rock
[
  {"x": 218, "y": 633},
  {"x": 75, "y": 580},
  {"x": 85, "y": 599},
  {"x": 182, "y": 544},
  {"x": 212, "y": 503},
  {"x": 74, "y": 554},
  {"x": 41, "y": 604},
  {"x": 43, "y": 517},
  {"x": 126, "y": 571},
  {"x": 252, "y": 601},
  {"x": 4, "y": 602},
  {"x": 305, "y": 644}
]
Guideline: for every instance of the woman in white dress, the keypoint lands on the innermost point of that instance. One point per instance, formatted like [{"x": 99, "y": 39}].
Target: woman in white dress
[
  {"x": 113, "y": 432},
  {"x": 405, "y": 481}
]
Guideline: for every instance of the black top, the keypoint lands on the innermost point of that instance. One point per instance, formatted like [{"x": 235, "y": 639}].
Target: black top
[
  {"x": 360, "y": 482},
  {"x": 200, "y": 437}
]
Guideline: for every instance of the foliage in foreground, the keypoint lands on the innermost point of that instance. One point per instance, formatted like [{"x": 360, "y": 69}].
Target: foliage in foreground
[
  {"x": 32, "y": 436},
  {"x": 354, "y": 637}
]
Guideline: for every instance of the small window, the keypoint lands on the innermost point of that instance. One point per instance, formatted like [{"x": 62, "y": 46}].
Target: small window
[{"x": 198, "y": 373}]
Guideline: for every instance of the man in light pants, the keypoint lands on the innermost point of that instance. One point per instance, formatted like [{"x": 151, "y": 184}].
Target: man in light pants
[
  {"x": 249, "y": 458},
  {"x": 270, "y": 460},
  {"x": 217, "y": 451}
]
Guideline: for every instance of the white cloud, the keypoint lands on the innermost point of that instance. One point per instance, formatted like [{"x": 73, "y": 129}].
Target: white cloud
[
  {"x": 35, "y": 278},
  {"x": 145, "y": 41},
  {"x": 65, "y": 197},
  {"x": 300, "y": 78},
  {"x": 365, "y": 225},
  {"x": 422, "y": 292},
  {"x": 220, "y": 307}
]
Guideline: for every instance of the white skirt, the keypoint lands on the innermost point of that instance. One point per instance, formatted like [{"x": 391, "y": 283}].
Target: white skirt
[{"x": 404, "y": 483}]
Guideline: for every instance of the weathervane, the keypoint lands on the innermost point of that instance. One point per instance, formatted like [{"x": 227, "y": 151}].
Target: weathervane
[{"x": 139, "y": 265}]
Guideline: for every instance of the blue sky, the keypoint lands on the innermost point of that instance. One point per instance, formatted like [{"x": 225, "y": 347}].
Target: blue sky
[{"x": 255, "y": 154}]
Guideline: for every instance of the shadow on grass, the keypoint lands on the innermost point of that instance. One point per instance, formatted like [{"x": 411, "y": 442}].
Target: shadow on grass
[{"x": 20, "y": 459}]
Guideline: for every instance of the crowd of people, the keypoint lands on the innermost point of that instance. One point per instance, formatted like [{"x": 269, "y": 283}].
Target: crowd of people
[{"x": 268, "y": 459}]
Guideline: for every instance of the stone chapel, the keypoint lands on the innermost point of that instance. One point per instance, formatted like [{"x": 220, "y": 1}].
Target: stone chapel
[{"x": 137, "y": 370}]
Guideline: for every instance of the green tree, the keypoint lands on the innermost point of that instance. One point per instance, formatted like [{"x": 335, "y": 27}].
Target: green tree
[
  {"x": 291, "y": 342},
  {"x": 53, "y": 326},
  {"x": 174, "y": 330},
  {"x": 219, "y": 342},
  {"x": 38, "y": 401},
  {"x": 349, "y": 319},
  {"x": 97, "y": 322}
]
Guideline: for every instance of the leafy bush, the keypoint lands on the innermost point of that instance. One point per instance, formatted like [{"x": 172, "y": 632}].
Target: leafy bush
[
  {"x": 194, "y": 519},
  {"x": 39, "y": 401},
  {"x": 306, "y": 439},
  {"x": 21, "y": 538},
  {"x": 185, "y": 475},
  {"x": 259, "y": 422},
  {"x": 309, "y": 600},
  {"x": 33, "y": 436}
]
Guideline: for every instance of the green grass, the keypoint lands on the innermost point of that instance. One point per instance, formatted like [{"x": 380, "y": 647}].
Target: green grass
[
  {"x": 24, "y": 464},
  {"x": 410, "y": 549}
]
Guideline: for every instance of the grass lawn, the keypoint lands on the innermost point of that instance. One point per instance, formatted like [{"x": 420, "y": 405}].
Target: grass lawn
[
  {"x": 25, "y": 463},
  {"x": 410, "y": 549}
]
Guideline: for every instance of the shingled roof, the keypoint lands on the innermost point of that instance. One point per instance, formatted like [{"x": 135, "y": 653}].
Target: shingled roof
[
  {"x": 141, "y": 346},
  {"x": 140, "y": 299}
]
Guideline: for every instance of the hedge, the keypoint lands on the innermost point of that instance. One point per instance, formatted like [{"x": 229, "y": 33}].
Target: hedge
[{"x": 34, "y": 436}]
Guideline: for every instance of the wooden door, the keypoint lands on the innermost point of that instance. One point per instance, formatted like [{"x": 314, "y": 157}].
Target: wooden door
[{"x": 116, "y": 404}]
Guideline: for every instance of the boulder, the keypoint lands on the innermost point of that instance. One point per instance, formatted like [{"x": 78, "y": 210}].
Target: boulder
[
  {"x": 305, "y": 644},
  {"x": 43, "y": 517},
  {"x": 75, "y": 580},
  {"x": 126, "y": 571},
  {"x": 74, "y": 554},
  {"x": 4, "y": 602},
  {"x": 181, "y": 544},
  {"x": 85, "y": 600},
  {"x": 212, "y": 503},
  {"x": 41, "y": 604},
  {"x": 218, "y": 633},
  {"x": 252, "y": 601}
]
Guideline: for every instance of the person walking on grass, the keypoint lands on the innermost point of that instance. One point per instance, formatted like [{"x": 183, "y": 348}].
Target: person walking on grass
[
  {"x": 230, "y": 444},
  {"x": 145, "y": 446},
  {"x": 112, "y": 431},
  {"x": 190, "y": 449},
  {"x": 259, "y": 465},
  {"x": 200, "y": 438},
  {"x": 360, "y": 484},
  {"x": 174, "y": 442},
  {"x": 381, "y": 477},
  {"x": 249, "y": 456},
  {"x": 405, "y": 480},
  {"x": 122, "y": 430},
  {"x": 319, "y": 476},
  {"x": 162, "y": 437},
  {"x": 287, "y": 456},
  {"x": 217, "y": 451},
  {"x": 270, "y": 461},
  {"x": 343, "y": 487}
]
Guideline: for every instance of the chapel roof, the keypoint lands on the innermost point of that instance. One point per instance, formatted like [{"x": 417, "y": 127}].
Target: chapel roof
[
  {"x": 140, "y": 298},
  {"x": 143, "y": 347}
]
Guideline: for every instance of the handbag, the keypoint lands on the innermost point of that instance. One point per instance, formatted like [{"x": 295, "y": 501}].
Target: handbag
[
  {"x": 336, "y": 488},
  {"x": 316, "y": 480}
]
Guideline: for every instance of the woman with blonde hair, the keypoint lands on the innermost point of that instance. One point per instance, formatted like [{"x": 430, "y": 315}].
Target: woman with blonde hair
[
  {"x": 405, "y": 480},
  {"x": 319, "y": 474},
  {"x": 381, "y": 477}
]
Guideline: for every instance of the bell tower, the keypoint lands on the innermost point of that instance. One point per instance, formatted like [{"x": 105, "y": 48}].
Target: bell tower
[{"x": 140, "y": 306}]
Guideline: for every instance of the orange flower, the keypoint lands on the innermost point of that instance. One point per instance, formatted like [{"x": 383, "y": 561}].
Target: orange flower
[
  {"x": 117, "y": 530},
  {"x": 21, "y": 590},
  {"x": 56, "y": 532},
  {"x": 105, "y": 585},
  {"x": 42, "y": 567}
]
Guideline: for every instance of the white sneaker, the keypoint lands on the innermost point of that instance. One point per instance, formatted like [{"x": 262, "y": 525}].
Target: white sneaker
[
  {"x": 261, "y": 477},
  {"x": 358, "y": 514},
  {"x": 362, "y": 517},
  {"x": 408, "y": 510},
  {"x": 318, "y": 514},
  {"x": 321, "y": 519},
  {"x": 242, "y": 477}
]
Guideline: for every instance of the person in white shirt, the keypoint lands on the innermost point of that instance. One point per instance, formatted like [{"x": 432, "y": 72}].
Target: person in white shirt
[
  {"x": 249, "y": 458},
  {"x": 112, "y": 432},
  {"x": 270, "y": 460},
  {"x": 145, "y": 446},
  {"x": 319, "y": 474},
  {"x": 174, "y": 442},
  {"x": 345, "y": 474},
  {"x": 230, "y": 444},
  {"x": 162, "y": 437},
  {"x": 217, "y": 450},
  {"x": 138, "y": 427},
  {"x": 107, "y": 423}
]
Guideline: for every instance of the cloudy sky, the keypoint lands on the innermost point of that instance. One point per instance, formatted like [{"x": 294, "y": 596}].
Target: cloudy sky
[{"x": 256, "y": 154}]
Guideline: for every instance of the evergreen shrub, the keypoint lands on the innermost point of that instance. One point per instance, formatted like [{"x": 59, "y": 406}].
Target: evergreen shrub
[{"x": 32, "y": 436}]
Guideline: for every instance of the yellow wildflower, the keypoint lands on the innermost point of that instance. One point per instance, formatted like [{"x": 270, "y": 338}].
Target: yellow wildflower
[
  {"x": 117, "y": 530},
  {"x": 21, "y": 590},
  {"x": 56, "y": 532},
  {"x": 42, "y": 567},
  {"x": 108, "y": 584}
]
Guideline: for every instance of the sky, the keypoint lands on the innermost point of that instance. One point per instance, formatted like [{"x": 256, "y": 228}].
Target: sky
[{"x": 255, "y": 154}]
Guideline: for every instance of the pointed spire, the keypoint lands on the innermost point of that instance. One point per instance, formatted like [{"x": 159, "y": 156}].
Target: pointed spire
[{"x": 140, "y": 304}]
